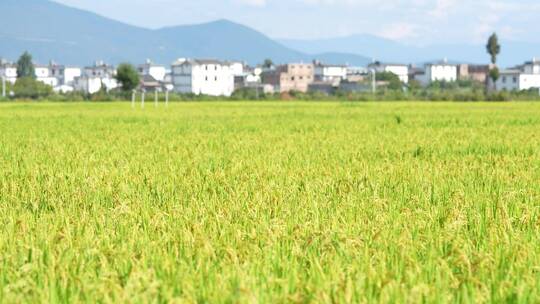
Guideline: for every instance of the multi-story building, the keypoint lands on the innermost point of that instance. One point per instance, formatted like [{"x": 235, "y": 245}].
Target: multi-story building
[
  {"x": 43, "y": 74},
  {"x": 523, "y": 77},
  {"x": 96, "y": 77},
  {"x": 329, "y": 73},
  {"x": 158, "y": 72},
  {"x": 438, "y": 71},
  {"x": 249, "y": 78},
  {"x": 208, "y": 77},
  {"x": 99, "y": 69},
  {"x": 66, "y": 75},
  {"x": 400, "y": 70},
  {"x": 289, "y": 77},
  {"x": 357, "y": 74},
  {"x": 8, "y": 71},
  {"x": 237, "y": 68},
  {"x": 474, "y": 72}
]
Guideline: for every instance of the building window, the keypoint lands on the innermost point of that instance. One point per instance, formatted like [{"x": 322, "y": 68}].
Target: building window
[
  {"x": 301, "y": 77},
  {"x": 292, "y": 78},
  {"x": 206, "y": 68},
  {"x": 206, "y": 78},
  {"x": 514, "y": 79},
  {"x": 215, "y": 78},
  {"x": 504, "y": 79}
]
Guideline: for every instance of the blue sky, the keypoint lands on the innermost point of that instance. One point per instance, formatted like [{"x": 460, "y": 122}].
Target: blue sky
[{"x": 416, "y": 22}]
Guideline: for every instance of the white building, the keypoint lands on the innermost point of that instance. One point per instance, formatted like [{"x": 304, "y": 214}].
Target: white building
[
  {"x": 88, "y": 84},
  {"x": 100, "y": 69},
  {"x": 65, "y": 75},
  {"x": 208, "y": 77},
  {"x": 237, "y": 68},
  {"x": 43, "y": 74},
  {"x": 8, "y": 71},
  {"x": 400, "y": 70},
  {"x": 329, "y": 73},
  {"x": 158, "y": 72},
  {"x": 439, "y": 71},
  {"x": 96, "y": 77},
  {"x": 524, "y": 77}
]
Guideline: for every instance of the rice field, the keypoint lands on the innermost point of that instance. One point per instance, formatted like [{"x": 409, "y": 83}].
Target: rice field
[{"x": 270, "y": 202}]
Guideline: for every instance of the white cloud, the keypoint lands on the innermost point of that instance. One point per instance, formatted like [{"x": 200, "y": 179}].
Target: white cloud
[
  {"x": 255, "y": 3},
  {"x": 399, "y": 31},
  {"x": 416, "y": 21},
  {"x": 443, "y": 8}
]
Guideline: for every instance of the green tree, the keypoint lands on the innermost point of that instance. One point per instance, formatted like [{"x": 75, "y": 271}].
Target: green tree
[
  {"x": 493, "y": 47},
  {"x": 415, "y": 85},
  {"x": 393, "y": 80},
  {"x": 268, "y": 63},
  {"x": 25, "y": 67},
  {"x": 127, "y": 76},
  {"x": 494, "y": 74},
  {"x": 29, "y": 88}
]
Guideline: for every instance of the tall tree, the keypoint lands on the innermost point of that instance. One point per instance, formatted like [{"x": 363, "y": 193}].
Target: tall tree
[
  {"x": 494, "y": 49},
  {"x": 268, "y": 63},
  {"x": 25, "y": 67},
  {"x": 127, "y": 76}
]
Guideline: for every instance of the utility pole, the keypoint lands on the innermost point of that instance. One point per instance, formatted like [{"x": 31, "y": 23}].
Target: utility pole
[
  {"x": 257, "y": 90},
  {"x": 3, "y": 86},
  {"x": 133, "y": 96},
  {"x": 373, "y": 81},
  {"x": 142, "y": 99}
]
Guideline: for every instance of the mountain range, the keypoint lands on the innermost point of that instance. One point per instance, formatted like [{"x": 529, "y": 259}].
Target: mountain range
[{"x": 52, "y": 31}]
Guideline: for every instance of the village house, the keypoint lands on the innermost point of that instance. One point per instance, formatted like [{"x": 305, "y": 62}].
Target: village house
[
  {"x": 96, "y": 77},
  {"x": 329, "y": 73},
  {"x": 8, "y": 71},
  {"x": 327, "y": 77},
  {"x": 237, "y": 68},
  {"x": 148, "y": 83},
  {"x": 474, "y": 72},
  {"x": 357, "y": 74},
  {"x": 250, "y": 78},
  {"x": 289, "y": 77},
  {"x": 207, "y": 77},
  {"x": 400, "y": 70},
  {"x": 43, "y": 74},
  {"x": 438, "y": 71},
  {"x": 523, "y": 77},
  {"x": 64, "y": 75},
  {"x": 158, "y": 72}
]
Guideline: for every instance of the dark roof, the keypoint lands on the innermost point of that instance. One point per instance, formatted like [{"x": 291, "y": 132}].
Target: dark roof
[
  {"x": 387, "y": 64},
  {"x": 149, "y": 82},
  {"x": 511, "y": 71}
]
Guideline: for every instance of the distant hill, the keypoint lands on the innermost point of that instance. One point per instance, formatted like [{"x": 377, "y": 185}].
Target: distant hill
[
  {"x": 388, "y": 50},
  {"x": 51, "y": 31}
]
